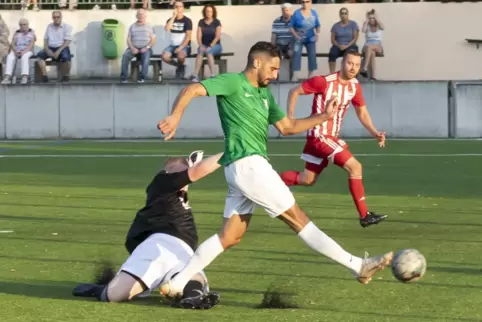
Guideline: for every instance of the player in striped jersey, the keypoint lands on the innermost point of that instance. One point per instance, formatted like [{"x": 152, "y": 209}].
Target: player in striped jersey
[{"x": 322, "y": 143}]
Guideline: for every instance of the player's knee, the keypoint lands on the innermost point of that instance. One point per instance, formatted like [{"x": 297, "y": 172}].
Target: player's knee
[
  {"x": 117, "y": 293},
  {"x": 354, "y": 168},
  {"x": 307, "y": 181},
  {"x": 229, "y": 240},
  {"x": 295, "y": 218}
]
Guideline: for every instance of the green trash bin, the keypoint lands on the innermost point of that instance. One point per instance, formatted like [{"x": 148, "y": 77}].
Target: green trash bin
[{"x": 113, "y": 39}]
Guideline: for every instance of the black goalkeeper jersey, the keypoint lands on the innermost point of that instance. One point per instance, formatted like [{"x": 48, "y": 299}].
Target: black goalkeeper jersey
[{"x": 166, "y": 211}]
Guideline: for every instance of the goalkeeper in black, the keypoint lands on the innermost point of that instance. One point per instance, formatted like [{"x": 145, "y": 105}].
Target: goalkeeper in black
[{"x": 161, "y": 240}]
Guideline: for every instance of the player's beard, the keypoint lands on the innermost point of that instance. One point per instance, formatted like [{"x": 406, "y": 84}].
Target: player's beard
[
  {"x": 265, "y": 83},
  {"x": 349, "y": 74}
]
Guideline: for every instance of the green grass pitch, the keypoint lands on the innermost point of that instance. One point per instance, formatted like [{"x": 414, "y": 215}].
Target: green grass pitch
[{"x": 66, "y": 206}]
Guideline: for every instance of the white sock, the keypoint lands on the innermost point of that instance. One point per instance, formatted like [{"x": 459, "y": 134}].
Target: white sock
[
  {"x": 204, "y": 255},
  {"x": 322, "y": 243}
]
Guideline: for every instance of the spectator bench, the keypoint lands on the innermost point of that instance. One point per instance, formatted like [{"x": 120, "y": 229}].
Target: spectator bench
[
  {"x": 37, "y": 76},
  {"x": 286, "y": 72},
  {"x": 48, "y": 62},
  {"x": 156, "y": 62}
]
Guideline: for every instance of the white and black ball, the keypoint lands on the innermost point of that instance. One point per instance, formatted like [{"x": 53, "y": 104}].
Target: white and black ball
[{"x": 408, "y": 265}]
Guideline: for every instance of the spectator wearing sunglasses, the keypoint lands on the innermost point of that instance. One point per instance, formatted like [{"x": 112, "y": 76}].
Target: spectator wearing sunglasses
[
  {"x": 305, "y": 28},
  {"x": 344, "y": 35}
]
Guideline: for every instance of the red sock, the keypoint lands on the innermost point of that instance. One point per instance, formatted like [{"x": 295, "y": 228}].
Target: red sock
[
  {"x": 358, "y": 193},
  {"x": 290, "y": 178}
]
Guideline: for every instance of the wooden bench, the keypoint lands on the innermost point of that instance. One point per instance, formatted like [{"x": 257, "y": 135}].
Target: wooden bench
[
  {"x": 318, "y": 55},
  {"x": 156, "y": 62},
  {"x": 218, "y": 60},
  {"x": 326, "y": 54},
  {"x": 477, "y": 42},
  {"x": 48, "y": 62}
]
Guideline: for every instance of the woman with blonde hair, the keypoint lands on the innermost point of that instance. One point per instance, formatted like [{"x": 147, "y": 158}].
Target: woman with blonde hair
[
  {"x": 373, "y": 28},
  {"x": 21, "y": 48}
]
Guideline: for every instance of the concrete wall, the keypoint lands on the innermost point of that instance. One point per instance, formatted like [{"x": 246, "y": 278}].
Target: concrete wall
[
  {"x": 467, "y": 109},
  {"x": 402, "y": 109},
  {"x": 422, "y": 41}
]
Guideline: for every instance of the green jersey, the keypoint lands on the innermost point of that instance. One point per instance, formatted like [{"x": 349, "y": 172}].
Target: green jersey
[{"x": 245, "y": 112}]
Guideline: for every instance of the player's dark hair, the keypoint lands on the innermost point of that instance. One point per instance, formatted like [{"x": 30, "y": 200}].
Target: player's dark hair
[
  {"x": 175, "y": 160},
  {"x": 352, "y": 53},
  {"x": 263, "y": 47}
]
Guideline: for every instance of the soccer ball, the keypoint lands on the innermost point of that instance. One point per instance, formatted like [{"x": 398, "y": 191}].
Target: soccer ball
[{"x": 408, "y": 265}]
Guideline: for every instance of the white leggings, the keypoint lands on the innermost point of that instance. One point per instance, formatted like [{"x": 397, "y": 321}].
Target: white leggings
[{"x": 24, "y": 61}]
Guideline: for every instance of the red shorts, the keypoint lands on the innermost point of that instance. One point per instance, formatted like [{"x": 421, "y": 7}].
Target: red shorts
[{"x": 323, "y": 150}]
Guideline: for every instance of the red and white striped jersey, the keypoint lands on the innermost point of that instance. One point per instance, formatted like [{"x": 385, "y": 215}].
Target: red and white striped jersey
[{"x": 323, "y": 87}]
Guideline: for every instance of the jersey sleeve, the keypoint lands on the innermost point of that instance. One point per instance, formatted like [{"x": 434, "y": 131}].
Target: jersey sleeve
[
  {"x": 314, "y": 85},
  {"x": 188, "y": 24},
  {"x": 276, "y": 114},
  {"x": 358, "y": 100},
  {"x": 171, "y": 182},
  {"x": 222, "y": 85}
]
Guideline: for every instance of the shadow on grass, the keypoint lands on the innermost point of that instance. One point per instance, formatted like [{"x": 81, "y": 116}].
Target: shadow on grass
[{"x": 61, "y": 290}]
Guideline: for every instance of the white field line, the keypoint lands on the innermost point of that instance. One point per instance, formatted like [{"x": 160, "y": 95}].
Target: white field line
[
  {"x": 270, "y": 155},
  {"x": 272, "y": 140}
]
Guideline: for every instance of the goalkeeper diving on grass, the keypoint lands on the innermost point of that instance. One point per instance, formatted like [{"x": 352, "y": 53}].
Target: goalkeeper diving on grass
[{"x": 161, "y": 240}]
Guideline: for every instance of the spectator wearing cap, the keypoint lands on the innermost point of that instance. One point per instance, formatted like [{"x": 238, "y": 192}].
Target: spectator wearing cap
[
  {"x": 20, "y": 48},
  {"x": 344, "y": 35},
  {"x": 280, "y": 31},
  {"x": 305, "y": 27}
]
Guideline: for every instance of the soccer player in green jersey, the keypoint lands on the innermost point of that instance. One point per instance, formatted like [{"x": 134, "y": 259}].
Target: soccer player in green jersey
[{"x": 246, "y": 109}]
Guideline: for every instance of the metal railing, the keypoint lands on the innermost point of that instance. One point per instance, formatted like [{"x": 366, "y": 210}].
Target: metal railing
[
  {"x": 95, "y": 4},
  {"x": 126, "y": 4}
]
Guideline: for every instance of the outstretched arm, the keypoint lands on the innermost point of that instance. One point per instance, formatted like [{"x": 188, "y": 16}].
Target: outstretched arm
[
  {"x": 287, "y": 126},
  {"x": 221, "y": 85},
  {"x": 293, "y": 98},
  {"x": 204, "y": 168},
  {"x": 169, "y": 124},
  {"x": 314, "y": 85},
  {"x": 366, "y": 121}
]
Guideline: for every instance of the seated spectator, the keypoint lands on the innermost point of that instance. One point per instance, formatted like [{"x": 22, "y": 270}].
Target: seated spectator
[
  {"x": 20, "y": 48},
  {"x": 280, "y": 31},
  {"x": 344, "y": 35},
  {"x": 180, "y": 28},
  {"x": 140, "y": 39},
  {"x": 57, "y": 38},
  {"x": 209, "y": 40},
  {"x": 373, "y": 29},
  {"x": 305, "y": 27},
  {"x": 4, "y": 34}
]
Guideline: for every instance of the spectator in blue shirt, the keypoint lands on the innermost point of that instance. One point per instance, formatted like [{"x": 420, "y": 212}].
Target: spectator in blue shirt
[
  {"x": 305, "y": 27},
  {"x": 344, "y": 35}
]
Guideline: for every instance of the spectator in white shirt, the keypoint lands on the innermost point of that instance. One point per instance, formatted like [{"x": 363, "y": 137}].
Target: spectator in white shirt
[
  {"x": 56, "y": 46},
  {"x": 20, "y": 48}
]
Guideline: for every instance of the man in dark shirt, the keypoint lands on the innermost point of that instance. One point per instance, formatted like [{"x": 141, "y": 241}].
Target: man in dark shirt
[
  {"x": 161, "y": 239},
  {"x": 180, "y": 28}
]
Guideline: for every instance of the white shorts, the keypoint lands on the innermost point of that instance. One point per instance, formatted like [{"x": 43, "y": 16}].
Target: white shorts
[
  {"x": 156, "y": 259},
  {"x": 253, "y": 181}
]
